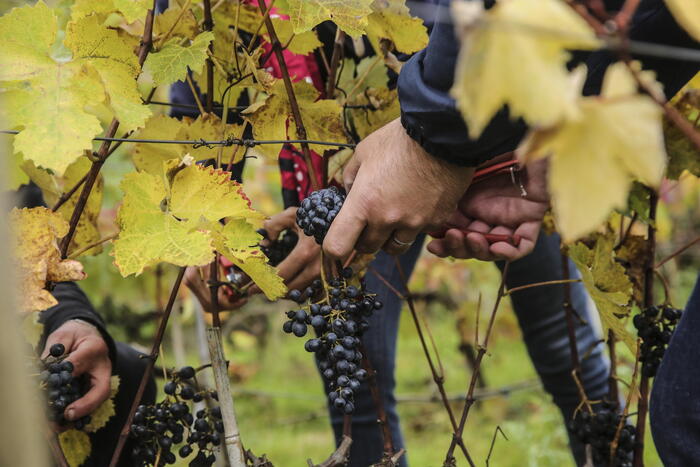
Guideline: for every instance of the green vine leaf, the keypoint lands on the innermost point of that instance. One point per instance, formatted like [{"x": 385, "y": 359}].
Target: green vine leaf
[
  {"x": 76, "y": 446},
  {"x": 170, "y": 64},
  {"x": 609, "y": 286}
]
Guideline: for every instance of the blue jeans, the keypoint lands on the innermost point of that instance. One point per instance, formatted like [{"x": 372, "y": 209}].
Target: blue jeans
[
  {"x": 540, "y": 315},
  {"x": 675, "y": 397}
]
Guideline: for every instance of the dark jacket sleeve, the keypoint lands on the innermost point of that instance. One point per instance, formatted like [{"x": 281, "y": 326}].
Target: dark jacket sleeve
[
  {"x": 73, "y": 304},
  {"x": 429, "y": 114}
]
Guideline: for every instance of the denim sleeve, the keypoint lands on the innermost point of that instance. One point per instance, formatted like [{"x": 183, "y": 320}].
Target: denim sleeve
[{"x": 429, "y": 114}]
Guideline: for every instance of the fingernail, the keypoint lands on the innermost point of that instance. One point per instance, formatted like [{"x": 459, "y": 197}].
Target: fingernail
[{"x": 70, "y": 414}]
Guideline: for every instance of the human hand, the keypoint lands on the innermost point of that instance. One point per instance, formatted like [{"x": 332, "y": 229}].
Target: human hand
[
  {"x": 89, "y": 354},
  {"x": 495, "y": 206},
  {"x": 196, "y": 279},
  {"x": 303, "y": 264},
  {"x": 395, "y": 191}
]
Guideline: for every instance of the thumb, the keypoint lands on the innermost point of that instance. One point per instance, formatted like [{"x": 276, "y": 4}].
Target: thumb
[{"x": 277, "y": 223}]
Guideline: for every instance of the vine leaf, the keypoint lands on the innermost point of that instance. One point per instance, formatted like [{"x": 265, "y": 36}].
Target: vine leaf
[
  {"x": 130, "y": 9},
  {"x": 687, "y": 14},
  {"x": 106, "y": 410},
  {"x": 238, "y": 242},
  {"x": 116, "y": 64},
  {"x": 171, "y": 63},
  {"x": 176, "y": 218},
  {"x": 32, "y": 329},
  {"x": 270, "y": 118},
  {"x": 301, "y": 44},
  {"x": 35, "y": 235},
  {"x": 53, "y": 100},
  {"x": 391, "y": 19},
  {"x": 607, "y": 284},
  {"x": 149, "y": 234},
  {"x": 593, "y": 158},
  {"x": 76, "y": 446},
  {"x": 150, "y": 157},
  {"x": 349, "y": 15},
  {"x": 512, "y": 47},
  {"x": 52, "y": 187},
  {"x": 182, "y": 24}
]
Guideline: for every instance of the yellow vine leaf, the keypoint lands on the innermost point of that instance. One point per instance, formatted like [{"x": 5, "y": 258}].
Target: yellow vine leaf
[
  {"x": 116, "y": 64},
  {"x": 149, "y": 234},
  {"x": 176, "y": 218},
  {"x": 132, "y": 10},
  {"x": 238, "y": 241},
  {"x": 52, "y": 187},
  {"x": 519, "y": 48},
  {"x": 32, "y": 329},
  {"x": 391, "y": 19},
  {"x": 302, "y": 44},
  {"x": 17, "y": 176},
  {"x": 687, "y": 13},
  {"x": 106, "y": 410},
  {"x": 349, "y": 15},
  {"x": 205, "y": 193},
  {"x": 76, "y": 446},
  {"x": 171, "y": 63},
  {"x": 356, "y": 78},
  {"x": 185, "y": 26},
  {"x": 149, "y": 157},
  {"x": 385, "y": 103},
  {"x": 607, "y": 284},
  {"x": 34, "y": 240},
  {"x": 593, "y": 158},
  {"x": 272, "y": 118}
]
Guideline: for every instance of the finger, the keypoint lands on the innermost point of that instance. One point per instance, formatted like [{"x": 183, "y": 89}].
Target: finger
[
  {"x": 401, "y": 236},
  {"x": 455, "y": 240},
  {"x": 373, "y": 238},
  {"x": 437, "y": 247},
  {"x": 58, "y": 337},
  {"x": 345, "y": 230},
  {"x": 528, "y": 233},
  {"x": 96, "y": 395},
  {"x": 350, "y": 172},
  {"x": 277, "y": 223}
]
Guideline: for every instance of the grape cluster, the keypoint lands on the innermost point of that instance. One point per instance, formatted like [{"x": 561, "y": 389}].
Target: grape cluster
[
  {"x": 61, "y": 388},
  {"x": 598, "y": 429},
  {"x": 279, "y": 248},
  {"x": 339, "y": 319},
  {"x": 158, "y": 428},
  {"x": 316, "y": 212},
  {"x": 655, "y": 325}
]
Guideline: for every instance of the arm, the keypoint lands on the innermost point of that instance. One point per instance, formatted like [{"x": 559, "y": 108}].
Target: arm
[{"x": 429, "y": 113}]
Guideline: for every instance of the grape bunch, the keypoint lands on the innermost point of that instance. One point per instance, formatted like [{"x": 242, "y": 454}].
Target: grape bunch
[
  {"x": 316, "y": 212},
  {"x": 655, "y": 325},
  {"x": 339, "y": 319},
  {"x": 62, "y": 389},
  {"x": 157, "y": 429},
  {"x": 598, "y": 429},
  {"x": 279, "y": 248}
]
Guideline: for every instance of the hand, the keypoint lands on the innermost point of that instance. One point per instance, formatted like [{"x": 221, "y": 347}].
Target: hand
[
  {"x": 196, "y": 280},
  {"x": 395, "y": 191},
  {"x": 303, "y": 264},
  {"x": 495, "y": 206},
  {"x": 89, "y": 354}
]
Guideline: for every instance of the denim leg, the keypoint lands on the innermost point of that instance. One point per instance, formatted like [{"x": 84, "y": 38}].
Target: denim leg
[
  {"x": 541, "y": 316},
  {"x": 675, "y": 396},
  {"x": 380, "y": 345}
]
